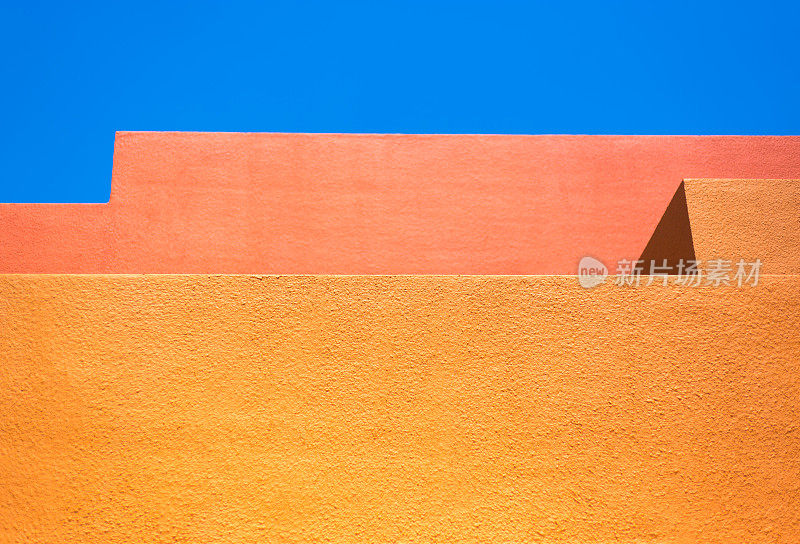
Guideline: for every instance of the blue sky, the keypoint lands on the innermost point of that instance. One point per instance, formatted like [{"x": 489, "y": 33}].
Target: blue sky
[{"x": 73, "y": 73}]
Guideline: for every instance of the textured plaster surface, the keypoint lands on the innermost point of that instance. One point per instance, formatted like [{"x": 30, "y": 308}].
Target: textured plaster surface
[
  {"x": 376, "y": 204},
  {"x": 397, "y": 409},
  {"x": 746, "y": 219}
]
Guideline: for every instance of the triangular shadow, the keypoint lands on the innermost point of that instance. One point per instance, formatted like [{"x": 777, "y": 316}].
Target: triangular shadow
[{"x": 672, "y": 239}]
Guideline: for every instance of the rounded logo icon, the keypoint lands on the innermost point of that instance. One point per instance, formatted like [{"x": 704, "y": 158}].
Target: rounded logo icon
[{"x": 591, "y": 272}]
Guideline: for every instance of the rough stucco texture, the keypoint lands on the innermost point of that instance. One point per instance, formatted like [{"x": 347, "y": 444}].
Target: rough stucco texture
[
  {"x": 388, "y": 409},
  {"x": 376, "y": 204},
  {"x": 746, "y": 219}
]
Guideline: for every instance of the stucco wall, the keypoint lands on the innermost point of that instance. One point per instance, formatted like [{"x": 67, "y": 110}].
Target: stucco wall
[
  {"x": 376, "y": 203},
  {"x": 747, "y": 219},
  {"x": 389, "y": 409}
]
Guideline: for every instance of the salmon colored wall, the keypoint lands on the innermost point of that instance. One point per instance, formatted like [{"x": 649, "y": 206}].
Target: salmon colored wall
[
  {"x": 376, "y": 204},
  {"x": 746, "y": 219},
  {"x": 388, "y": 409}
]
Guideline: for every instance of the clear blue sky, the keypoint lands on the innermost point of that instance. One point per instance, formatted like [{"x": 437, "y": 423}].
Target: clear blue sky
[{"x": 75, "y": 72}]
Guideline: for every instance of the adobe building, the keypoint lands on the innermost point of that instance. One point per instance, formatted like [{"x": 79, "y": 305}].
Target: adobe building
[{"x": 386, "y": 338}]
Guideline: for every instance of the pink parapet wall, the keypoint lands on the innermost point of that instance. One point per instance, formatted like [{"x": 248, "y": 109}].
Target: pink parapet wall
[{"x": 376, "y": 204}]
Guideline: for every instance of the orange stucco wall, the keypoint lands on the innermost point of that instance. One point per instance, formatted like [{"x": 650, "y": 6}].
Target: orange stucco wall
[
  {"x": 746, "y": 219},
  {"x": 376, "y": 204},
  {"x": 397, "y": 409}
]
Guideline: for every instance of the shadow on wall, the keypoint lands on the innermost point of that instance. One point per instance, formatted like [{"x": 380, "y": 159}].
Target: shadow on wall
[{"x": 672, "y": 239}]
